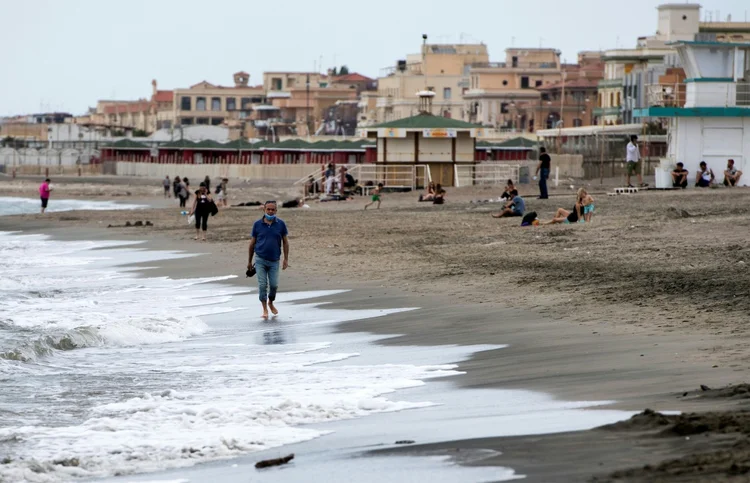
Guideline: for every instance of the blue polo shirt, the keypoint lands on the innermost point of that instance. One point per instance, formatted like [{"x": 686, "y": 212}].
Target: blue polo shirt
[{"x": 268, "y": 239}]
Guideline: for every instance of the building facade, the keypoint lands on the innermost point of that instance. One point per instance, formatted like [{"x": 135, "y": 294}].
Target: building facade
[{"x": 440, "y": 68}]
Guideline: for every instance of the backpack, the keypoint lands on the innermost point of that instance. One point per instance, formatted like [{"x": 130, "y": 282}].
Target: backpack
[{"x": 528, "y": 218}]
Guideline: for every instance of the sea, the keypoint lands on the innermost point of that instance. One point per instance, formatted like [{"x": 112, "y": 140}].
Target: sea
[
  {"x": 112, "y": 373},
  {"x": 23, "y": 206}
]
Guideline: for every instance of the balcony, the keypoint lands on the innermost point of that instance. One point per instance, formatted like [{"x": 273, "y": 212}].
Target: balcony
[
  {"x": 607, "y": 111},
  {"x": 699, "y": 94},
  {"x": 610, "y": 83},
  {"x": 384, "y": 102},
  {"x": 666, "y": 95}
]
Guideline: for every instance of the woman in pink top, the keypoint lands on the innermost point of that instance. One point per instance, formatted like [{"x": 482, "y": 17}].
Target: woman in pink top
[{"x": 44, "y": 190}]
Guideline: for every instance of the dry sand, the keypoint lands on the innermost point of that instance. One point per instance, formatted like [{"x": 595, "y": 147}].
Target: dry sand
[{"x": 644, "y": 304}]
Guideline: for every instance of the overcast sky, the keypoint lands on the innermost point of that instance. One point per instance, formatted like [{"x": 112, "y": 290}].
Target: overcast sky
[{"x": 65, "y": 54}]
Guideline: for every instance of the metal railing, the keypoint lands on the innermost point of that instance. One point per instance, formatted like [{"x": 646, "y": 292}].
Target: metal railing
[
  {"x": 667, "y": 95},
  {"x": 485, "y": 173},
  {"x": 729, "y": 94}
]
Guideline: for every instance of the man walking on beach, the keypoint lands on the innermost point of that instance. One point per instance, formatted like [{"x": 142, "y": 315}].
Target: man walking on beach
[
  {"x": 632, "y": 160},
  {"x": 267, "y": 238},
  {"x": 44, "y": 191},
  {"x": 542, "y": 170}
]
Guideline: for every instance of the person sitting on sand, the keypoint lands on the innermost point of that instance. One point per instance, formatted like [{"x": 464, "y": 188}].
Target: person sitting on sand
[
  {"x": 515, "y": 207},
  {"x": 731, "y": 174},
  {"x": 577, "y": 213},
  {"x": 680, "y": 176},
  {"x": 705, "y": 176},
  {"x": 375, "y": 196},
  {"x": 430, "y": 194},
  {"x": 439, "y": 197},
  {"x": 509, "y": 186}
]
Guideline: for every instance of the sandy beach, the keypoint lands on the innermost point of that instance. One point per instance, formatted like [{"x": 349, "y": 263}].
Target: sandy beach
[{"x": 642, "y": 306}]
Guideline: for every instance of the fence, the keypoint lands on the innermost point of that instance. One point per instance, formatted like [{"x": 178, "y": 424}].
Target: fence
[
  {"x": 46, "y": 156},
  {"x": 485, "y": 173},
  {"x": 393, "y": 176},
  {"x": 233, "y": 171}
]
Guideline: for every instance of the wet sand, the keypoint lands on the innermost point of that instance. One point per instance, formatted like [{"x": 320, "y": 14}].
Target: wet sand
[{"x": 645, "y": 304}]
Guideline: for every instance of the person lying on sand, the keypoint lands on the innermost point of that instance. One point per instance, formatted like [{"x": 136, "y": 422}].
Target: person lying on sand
[{"x": 515, "y": 207}]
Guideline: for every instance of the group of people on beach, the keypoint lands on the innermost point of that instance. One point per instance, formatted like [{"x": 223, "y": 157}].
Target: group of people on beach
[
  {"x": 180, "y": 187},
  {"x": 515, "y": 206},
  {"x": 203, "y": 205},
  {"x": 705, "y": 177}
]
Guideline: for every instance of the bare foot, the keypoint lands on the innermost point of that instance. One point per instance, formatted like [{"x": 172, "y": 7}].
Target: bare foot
[
  {"x": 196, "y": 238},
  {"x": 273, "y": 308},
  {"x": 204, "y": 238},
  {"x": 265, "y": 315}
]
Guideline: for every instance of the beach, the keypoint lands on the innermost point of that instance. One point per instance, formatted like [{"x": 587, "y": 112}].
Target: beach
[{"x": 640, "y": 307}]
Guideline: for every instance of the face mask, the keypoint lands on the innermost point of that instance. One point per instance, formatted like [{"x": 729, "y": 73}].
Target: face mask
[{"x": 270, "y": 217}]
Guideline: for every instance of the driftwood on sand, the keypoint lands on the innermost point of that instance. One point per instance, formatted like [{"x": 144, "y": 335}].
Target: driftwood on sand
[{"x": 274, "y": 462}]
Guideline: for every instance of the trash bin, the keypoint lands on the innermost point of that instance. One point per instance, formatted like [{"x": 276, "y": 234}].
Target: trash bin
[{"x": 523, "y": 175}]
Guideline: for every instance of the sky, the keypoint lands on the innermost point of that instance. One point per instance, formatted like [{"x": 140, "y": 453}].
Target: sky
[{"x": 64, "y": 55}]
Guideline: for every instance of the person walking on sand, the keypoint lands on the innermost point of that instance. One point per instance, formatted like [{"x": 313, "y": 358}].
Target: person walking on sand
[
  {"x": 375, "y": 196},
  {"x": 176, "y": 186},
  {"x": 167, "y": 184},
  {"x": 267, "y": 239},
  {"x": 201, "y": 209},
  {"x": 44, "y": 191},
  {"x": 633, "y": 161},
  {"x": 183, "y": 193},
  {"x": 542, "y": 170},
  {"x": 207, "y": 182}
]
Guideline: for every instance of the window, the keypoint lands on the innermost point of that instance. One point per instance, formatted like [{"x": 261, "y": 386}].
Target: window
[
  {"x": 186, "y": 121},
  {"x": 276, "y": 84},
  {"x": 446, "y": 92},
  {"x": 215, "y": 121},
  {"x": 524, "y": 82},
  {"x": 514, "y": 61},
  {"x": 216, "y": 103},
  {"x": 201, "y": 120},
  {"x": 545, "y": 97},
  {"x": 185, "y": 103},
  {"x": 577, "y": 122},
  {"x": 431, "y": 88},
  {"x": 200, "y": 103},
  {"x": 504, "y": 108},
  {"x": 538, "y": 83},
  {"x": 231, "y": 103},
  {"x": 505, "y": 82},
  {"x": 245, "y": 103}
]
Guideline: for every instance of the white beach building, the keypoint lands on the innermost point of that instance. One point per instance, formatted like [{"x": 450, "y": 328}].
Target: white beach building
[{"x": 709, "y": 116}]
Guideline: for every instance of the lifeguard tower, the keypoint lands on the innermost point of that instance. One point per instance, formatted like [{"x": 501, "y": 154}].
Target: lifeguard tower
[
  {"x": 438, "y": 144},
  {"x": 709, "y": 114}
]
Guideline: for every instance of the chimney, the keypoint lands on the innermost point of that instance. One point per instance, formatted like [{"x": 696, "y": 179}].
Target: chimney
[{"x": 153, "y": 86}]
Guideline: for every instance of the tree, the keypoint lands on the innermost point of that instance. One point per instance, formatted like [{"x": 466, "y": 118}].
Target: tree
[
  {"x": 344, "y": 70},
  {"x": 334, "y": 72}
]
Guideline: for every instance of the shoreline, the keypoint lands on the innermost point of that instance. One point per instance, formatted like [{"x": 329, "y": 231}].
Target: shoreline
[{"x": 572, "y": 359}]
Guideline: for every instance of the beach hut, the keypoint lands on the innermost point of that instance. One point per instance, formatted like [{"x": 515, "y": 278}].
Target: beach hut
[{"x": 438, "y": 142}]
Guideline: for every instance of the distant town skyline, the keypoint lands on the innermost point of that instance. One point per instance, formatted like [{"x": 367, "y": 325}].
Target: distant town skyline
[{"x": 64, "y": 56}]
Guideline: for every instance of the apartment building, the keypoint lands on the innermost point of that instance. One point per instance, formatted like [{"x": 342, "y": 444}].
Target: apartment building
[
  {"x": 210, "y": 104},
  {"x": 440, "y": 68},
  {"x": 629, "y": 72},
  {"x": 503, "y": 95}
]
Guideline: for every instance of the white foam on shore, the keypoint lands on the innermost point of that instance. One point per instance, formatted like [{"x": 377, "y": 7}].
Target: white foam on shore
[
  {"x": 22, "y": 206},
  {"x": 110, "y": 370}
]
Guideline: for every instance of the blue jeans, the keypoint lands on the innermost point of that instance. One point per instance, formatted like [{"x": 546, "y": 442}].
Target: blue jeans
[
  {"x": 268, "y": 278},
  {"x": 543, "y": 175}
]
